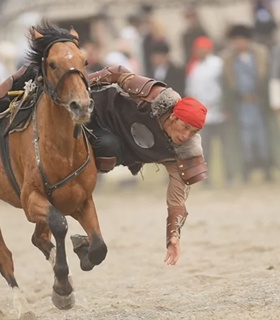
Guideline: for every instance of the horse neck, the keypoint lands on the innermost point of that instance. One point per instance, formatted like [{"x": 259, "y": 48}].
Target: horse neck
[{"x": 57, "y": 127}]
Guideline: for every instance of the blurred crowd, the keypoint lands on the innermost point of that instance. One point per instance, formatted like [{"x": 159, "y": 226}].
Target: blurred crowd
[{"x": 237, "y": 78}]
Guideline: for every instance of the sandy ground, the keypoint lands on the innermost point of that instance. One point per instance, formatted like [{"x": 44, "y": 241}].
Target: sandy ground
[{"x": 229, "y": 267}]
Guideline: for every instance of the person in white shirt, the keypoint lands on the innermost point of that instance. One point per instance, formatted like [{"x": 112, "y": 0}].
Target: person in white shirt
[
  {"x": 274, "y": 81},
  {"x": 203, "y": 81}
]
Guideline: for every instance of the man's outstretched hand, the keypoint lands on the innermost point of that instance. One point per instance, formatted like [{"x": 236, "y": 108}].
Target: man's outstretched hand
[{"x": 173, "y": 251}]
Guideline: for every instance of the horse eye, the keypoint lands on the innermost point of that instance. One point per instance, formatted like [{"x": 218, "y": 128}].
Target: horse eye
[
  {"x": 86, "y": 63},
  {"x": 52, "y": 65}
]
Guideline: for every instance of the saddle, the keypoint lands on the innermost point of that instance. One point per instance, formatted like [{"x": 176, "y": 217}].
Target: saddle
[
  {"x": 15, "y": 117},
  {"x": 8, "y": 84},
  {"x": 15, "y": 98}
]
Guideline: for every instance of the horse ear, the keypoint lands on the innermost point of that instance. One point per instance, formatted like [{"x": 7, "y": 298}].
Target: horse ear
[
  {"x": 74, "y": 33},
  {"x": 36, "y": 34}
]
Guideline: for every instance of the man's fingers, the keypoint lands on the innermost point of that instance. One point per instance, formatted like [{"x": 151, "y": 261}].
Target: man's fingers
[
  {"x": 173, "y": 252},
  {"x": 170, "y": 259}
]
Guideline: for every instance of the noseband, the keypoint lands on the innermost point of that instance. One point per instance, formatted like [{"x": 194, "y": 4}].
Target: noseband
[{"x": 47, "y": 86}]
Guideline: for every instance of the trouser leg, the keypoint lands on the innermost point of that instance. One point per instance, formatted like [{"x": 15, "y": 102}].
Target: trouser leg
[
  {"x": 4, "y": 103},
  {"x": 107, "y": 148}
]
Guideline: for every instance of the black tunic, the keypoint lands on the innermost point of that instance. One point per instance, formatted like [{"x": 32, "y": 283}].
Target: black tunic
[{"x": 118, "y": 114}]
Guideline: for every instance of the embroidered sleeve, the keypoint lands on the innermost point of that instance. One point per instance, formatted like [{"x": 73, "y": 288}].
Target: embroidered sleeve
[{"x": 177, "y": 191}]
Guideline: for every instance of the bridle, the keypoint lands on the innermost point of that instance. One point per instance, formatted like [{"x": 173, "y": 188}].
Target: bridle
[
  {"x": 51, "y": 90},
  {"x": 47, "y": 86}
]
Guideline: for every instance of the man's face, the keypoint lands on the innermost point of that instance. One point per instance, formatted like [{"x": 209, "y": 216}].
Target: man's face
[
  {"x": 241, "y": 44},
  {"x": 201, "y": 53},
  {"x": 159, "y": 59},
  {"x": 179, "y": 131}
]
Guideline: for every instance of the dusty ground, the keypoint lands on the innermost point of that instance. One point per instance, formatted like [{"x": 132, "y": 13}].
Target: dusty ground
[{"x": 229, "y": 268}]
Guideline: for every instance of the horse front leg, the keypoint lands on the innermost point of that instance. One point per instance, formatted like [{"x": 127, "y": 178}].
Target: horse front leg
[
  {"x": 41, "y": 239},
  {"x": 62, "y": 296},
  {"x": 91, "y": 249},
  {"x": 40, "y": 211}
]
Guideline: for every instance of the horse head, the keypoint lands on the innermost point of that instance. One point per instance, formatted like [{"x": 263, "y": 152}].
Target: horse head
[{"x": 61, "y": 66}]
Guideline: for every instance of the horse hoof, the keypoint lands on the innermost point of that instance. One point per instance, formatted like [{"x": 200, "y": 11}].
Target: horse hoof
[
  {"x": 28, "y": 316},
  {"x": 97, "y": 251},
  {"x": 79, "y": 241},
  {"x": 63, "y": 302},
  {"x": 85, "y": 264}
]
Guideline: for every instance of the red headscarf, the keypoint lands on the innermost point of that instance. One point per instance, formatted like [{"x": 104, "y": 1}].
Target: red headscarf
[
  {"x": 203, "y": 43},
  {"x": 199, "y": 43},
  {"x": 191, "y": 111}
]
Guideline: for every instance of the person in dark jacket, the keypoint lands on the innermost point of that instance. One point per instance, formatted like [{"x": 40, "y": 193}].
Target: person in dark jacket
[
  {"x": 193, "y": 30},
  {"x": 164, "y": 69},
  {"x": 245, "y": 82}
]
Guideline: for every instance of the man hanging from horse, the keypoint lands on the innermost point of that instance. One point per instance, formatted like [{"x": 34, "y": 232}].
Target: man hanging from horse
[{"x": 138, "y": 120}]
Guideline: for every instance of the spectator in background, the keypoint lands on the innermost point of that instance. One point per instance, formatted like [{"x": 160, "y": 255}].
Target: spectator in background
[
  {"x": 204, "y": 82},
  {"x": 93, "y": 52},
  {"x": 164, "y": 69},
  {"x": 153, "y": 30},
  {"x": 193, "y": 30},
  {"x": 3, "y": 72},
  {"x": 133, "y": 34},
  {"x": 245, "y": 79},
  {"x": 264, "y": 21},
  {"x": 274, "y": 99},
  {"x": 8, "y": 57},
  {"x": 122, "y": 55},
  {"x": 274, "y": 81}
]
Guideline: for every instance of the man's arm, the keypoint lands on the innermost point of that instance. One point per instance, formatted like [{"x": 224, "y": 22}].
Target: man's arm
[
  {"x": 182, "y": 173},
  {"x": 177, "y": 193},
  {"x": 141, "y": 89}
]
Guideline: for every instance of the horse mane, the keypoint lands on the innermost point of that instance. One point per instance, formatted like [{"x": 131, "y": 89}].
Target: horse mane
[{"x": 50, "y": 33}]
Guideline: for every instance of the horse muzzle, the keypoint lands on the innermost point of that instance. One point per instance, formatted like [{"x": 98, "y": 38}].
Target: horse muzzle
[{"x": 81, "y": 112}]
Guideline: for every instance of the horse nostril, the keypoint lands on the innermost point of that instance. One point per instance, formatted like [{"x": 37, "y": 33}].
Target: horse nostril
[{"x": 74, "y": 106}]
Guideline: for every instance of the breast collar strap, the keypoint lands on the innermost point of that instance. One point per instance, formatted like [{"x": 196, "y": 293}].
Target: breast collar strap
[{"x": 49, "y": 188}]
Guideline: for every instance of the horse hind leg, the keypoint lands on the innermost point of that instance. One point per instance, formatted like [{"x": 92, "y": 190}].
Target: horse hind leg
[{"x": 21, "y": 305}]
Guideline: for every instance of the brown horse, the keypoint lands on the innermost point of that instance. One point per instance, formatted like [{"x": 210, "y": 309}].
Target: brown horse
[{"x": 54, "y": 170}]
